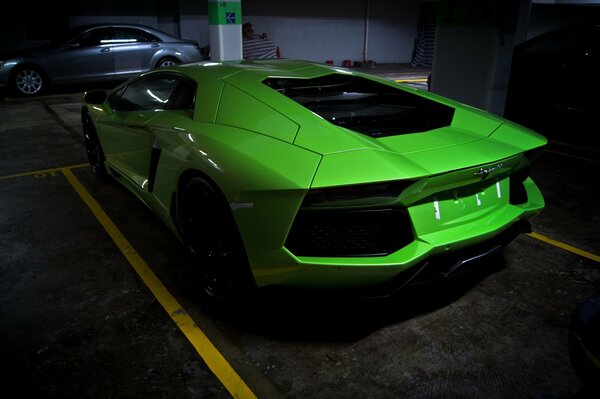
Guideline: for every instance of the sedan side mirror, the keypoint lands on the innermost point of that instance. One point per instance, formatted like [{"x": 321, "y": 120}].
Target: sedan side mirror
[{"x": 95, "y": 97}]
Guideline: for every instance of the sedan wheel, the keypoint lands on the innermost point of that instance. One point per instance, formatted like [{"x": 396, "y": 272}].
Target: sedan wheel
[
  {"x": 218, "y": 263},
  {"x": 29, "y": 81},
  {"x": 166, "y": 62}
]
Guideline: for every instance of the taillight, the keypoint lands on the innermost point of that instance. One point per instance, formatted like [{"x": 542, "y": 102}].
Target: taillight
[{"x": 355, "y": 195}]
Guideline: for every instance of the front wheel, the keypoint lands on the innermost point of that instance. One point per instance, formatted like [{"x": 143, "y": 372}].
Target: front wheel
[
  {"x": 29, "y": 81},
  {"x": 92, "y": 146},
  {"x": 217, "y": 260}
]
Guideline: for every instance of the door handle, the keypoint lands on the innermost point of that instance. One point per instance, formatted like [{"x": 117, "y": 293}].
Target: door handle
[{"x": 105, "y": 50}]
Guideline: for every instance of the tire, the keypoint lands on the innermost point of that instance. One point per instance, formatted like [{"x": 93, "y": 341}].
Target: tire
[
  {"x": 217, "y": 264},
  {"x": 92, "y": 146},
  {"x": 167, "y": 62},
  {"x": 28, "y": 81}
]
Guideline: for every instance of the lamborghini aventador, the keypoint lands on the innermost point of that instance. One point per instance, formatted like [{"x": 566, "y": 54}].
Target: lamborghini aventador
[{"x": 291, "y": 173}]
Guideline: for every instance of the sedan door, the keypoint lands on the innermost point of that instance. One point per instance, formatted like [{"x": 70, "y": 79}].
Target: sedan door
[
  {"x": 133, "y": 50},
  {"x": 86, "y": 57}
]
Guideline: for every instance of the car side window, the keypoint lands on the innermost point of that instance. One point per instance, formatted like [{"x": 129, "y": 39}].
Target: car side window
[
  {"x": 183, "y": 97},
  {"x": 131, "y": 35},
  {"x": 113, "y": 99},
  {"x": 95, "y": 37},
  {"x": 152, "y": 93}
]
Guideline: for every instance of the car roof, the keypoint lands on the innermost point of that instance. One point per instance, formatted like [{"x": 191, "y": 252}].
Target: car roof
[
  {"x": 111, "y": 24},
  {"x": 82, "y": 28},
  {"x": 249, "y": 75},
  {"x": 258, "y": 70}
]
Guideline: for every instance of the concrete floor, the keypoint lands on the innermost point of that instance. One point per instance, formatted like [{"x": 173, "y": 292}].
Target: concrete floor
[{"x": 78, "y": 322}]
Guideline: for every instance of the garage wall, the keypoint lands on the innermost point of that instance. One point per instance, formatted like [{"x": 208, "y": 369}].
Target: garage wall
[
  {"x": 193, "y": 20},
  {"x": 314, "y": 30},
  {"x": 547, "y": 17},
  {"x": 144, "y": 13},
  {"x": 335, "y": 30}
]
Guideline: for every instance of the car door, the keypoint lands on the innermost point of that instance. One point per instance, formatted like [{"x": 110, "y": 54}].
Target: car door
[
  {"x": 133, "y": 50},
  {"x": 129, "y": 143},
  {"x": 88, "y": 56}
]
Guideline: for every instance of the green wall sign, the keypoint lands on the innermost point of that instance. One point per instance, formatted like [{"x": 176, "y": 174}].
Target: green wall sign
[{"x": 225, "y": 13}]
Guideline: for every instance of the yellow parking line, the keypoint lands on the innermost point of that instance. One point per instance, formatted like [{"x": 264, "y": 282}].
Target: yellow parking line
[
  {"x": 43, "y": 171},
  {"x": 205, "y": 348},
  {"x": 411, "y": 80},
  {"x": 566, "y": 247}
]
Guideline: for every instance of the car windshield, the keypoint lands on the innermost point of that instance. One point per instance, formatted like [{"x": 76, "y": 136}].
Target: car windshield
[
  {"x": 363, "y": 105},
  {"x": 64, "y": 37}
]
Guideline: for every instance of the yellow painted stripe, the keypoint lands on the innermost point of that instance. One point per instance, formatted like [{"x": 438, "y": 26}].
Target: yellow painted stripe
[
  {"x": 43, "y": 171},
  {"x": 205, "y": 348},
  {"x": 566, "y": 247},
  {"x": 411, "y": 80}
]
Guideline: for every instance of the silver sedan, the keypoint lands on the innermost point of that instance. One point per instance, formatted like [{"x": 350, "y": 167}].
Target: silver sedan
[{"x": 94, "y": 53}]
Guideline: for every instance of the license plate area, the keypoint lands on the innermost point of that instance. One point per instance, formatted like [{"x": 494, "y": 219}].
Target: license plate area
[{"x": 461, "y": 205}]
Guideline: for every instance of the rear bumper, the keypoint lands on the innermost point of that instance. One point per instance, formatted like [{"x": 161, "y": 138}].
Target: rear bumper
[
  {"x": 438, "y": 268},
  {"x": 449, "y": 235},
  {"x": 371, "y": 281}
]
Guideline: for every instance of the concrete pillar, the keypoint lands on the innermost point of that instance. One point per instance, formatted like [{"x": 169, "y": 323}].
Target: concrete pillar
[
  {"x": 523, "y": 22},
  {"x": 473, "y": 50},
  {"x": 225, "y": 30}
]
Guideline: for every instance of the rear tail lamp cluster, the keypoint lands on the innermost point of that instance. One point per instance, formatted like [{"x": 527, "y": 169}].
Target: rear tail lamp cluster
[
  {"x": 355, "y": 195},
  {"x": 357, "y": 220},
  {"x": 339, "y": 233}
]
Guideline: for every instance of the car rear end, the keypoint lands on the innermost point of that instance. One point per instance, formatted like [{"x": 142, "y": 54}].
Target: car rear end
[{"x": 406, "y": 178}]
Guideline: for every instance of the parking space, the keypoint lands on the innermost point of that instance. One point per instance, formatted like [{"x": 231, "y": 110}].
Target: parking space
[
  {"x": 73, "y": 309},
  {"x": 80, "y": 318}
]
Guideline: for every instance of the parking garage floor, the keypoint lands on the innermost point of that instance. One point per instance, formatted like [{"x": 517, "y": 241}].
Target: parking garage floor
[{"x": 93, "y": 303}]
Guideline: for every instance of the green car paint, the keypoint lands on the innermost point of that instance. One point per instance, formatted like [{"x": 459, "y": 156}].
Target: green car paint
[{"x": 282, "y": 166}]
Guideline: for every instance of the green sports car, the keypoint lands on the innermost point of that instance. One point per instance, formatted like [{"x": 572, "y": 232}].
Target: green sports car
[{"x": 290, "y": 173}]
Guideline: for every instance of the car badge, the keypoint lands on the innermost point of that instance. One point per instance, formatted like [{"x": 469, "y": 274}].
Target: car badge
[{"x": 485, "y": 172}]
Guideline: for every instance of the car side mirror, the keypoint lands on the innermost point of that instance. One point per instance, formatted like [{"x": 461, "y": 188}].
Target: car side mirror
[{"x": 95, "y": 97}]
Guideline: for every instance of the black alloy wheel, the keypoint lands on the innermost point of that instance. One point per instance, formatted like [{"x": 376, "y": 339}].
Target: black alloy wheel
[
  {"x": 218, "y": 265},
  {"x": 92, "y": 146}
]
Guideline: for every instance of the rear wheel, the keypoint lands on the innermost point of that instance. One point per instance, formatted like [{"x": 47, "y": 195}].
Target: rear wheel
[
  {"x": 166, "y": 62},
  {"x": 28, "y": 81},
  {"x": 92, "y": 146},
  {"x": 217, "y": 265}
]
